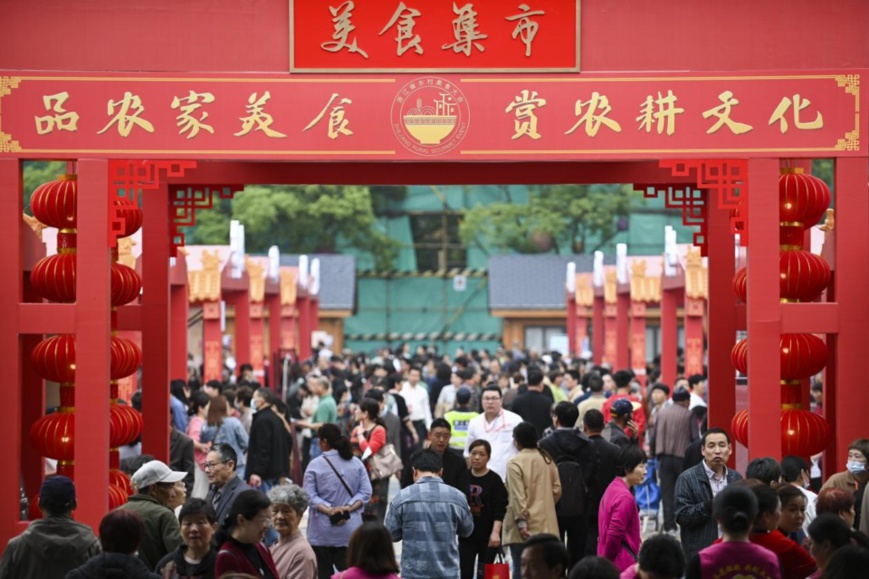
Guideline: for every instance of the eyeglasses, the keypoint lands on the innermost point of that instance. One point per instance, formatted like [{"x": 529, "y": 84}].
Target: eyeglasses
[{"x": 211, "y": 465}]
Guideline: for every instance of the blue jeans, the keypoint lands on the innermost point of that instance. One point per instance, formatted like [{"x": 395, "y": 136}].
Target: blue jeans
[
  {"x": 271, "y": 535},
  {"x": 516, "y": 555}
]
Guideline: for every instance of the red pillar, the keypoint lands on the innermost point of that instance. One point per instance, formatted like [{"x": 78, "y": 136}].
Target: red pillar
[
  {"x": 11, "y": 195},
  {"x": 763, "y": 309},
  {"x": 314, "y": 305},
  {"x": 852, "y": 274},
  {"x": 580, "y": 328},
  {"x": 638, "y": 341},
  {"x": 304, "y": 312},
  {"x": 93, "y": 330},
  {"x": 623, "y": 311},
  {"x": 669, "y": 334},
  {"x": 156, "y": 337},
  {"x": 597, "y": 330},
  {"x": 274, "y": 305},
  {"x": 570, "y": 306},
  {"x": 611, "y": 337},
  {"x": 212, "y": 344},
  {"x": 257, "y": 339},
  {"x": 179, "y": 308},
  {"x": 722, "y": 319},
  {"x": 289, "y": 323},
  {"x": 240, "y": 300}
]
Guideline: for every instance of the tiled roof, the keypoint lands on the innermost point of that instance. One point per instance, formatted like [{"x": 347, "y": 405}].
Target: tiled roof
[
  {"x": 532, "y": 282},
  {"x": 337, "y": 279}
]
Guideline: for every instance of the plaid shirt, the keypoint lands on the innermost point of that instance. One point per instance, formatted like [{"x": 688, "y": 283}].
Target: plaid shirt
[{"x": 427, "y": 516}]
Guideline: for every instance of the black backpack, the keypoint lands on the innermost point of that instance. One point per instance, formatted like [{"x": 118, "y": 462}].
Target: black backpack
[{"x": 574, "y": 493}]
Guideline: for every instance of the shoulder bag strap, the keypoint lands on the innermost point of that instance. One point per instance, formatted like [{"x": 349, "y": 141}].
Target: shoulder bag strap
[{"x": 341, "y": 478}]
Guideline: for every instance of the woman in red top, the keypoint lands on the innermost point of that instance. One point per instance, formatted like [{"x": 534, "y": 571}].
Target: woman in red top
[
  {"x": 796, "y": 563},
  {"x": 367, "y": 439},
  {"x": 240, "y": 538}
]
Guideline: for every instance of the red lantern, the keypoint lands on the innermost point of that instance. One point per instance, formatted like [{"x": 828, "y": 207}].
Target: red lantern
[
  {"x": 739, "y": 427},
  {"x": 53, "y": 203},
  {"x": 54, "y": 358},
  {"x": 131, "y": 215},
  {"x": 53, "y": 435},
  {"x": 803, "y": 433},
  {"x": 126, "y": 284},
  {"x": 117, "y": 496},
  {"x": 803, "y": 199},
  {"x": 120, "y": 479},
  {"x": 126, "y": 358},
  {"x": 53, "y": 277},
  {"x": 802, "y": 356},
  {"x": 125, "y": 425},
  {"x": 740, "y": 284},
  {"x": 739, "y": 356},
  {"x": 804, "y": 275}
]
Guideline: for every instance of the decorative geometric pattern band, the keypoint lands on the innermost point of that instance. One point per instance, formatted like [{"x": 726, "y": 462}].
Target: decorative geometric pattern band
[{"x": 444, "y": 273}]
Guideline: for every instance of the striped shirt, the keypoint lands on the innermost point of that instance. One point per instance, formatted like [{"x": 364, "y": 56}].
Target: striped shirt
[{"x": 428, "y": 517}]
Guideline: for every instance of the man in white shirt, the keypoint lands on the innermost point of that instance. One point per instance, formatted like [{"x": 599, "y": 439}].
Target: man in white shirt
[
  {"x": 418, "y": 406},
  {"x": 496, "y": 426},
  {"x": 697, "y": 387}
]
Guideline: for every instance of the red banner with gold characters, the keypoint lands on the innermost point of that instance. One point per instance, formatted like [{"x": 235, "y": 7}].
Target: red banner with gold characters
[
  {"x": 432, "y": 116},
  {"x": 434, "y": 36}
]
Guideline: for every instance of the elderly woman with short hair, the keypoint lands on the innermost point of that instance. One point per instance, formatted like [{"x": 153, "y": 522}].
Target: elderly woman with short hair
[{"x": 293, "y": 555}]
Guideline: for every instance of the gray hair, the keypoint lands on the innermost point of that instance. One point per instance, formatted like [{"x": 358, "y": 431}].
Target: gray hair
[{"x": 289, "y": 494}]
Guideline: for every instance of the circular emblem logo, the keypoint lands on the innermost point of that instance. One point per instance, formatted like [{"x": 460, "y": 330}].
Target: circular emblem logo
[{"x": 430, "y": 116}]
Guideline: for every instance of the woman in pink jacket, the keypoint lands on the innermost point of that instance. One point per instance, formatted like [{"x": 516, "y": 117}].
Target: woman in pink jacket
[{"x": 618, "y": 517}]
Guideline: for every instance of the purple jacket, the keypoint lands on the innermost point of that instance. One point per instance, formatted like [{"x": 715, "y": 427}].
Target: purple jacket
[{"x": 618, "y": 523}]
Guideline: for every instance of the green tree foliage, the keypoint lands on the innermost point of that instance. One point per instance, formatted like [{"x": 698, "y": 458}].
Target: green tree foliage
[
  {"x": 557, "y": 218},
  {"x": 38, "y": 172},
  {"x": 299, "y": 219}
]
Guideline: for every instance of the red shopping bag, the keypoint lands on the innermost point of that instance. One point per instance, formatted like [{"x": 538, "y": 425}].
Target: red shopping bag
[{"x": 499, "y": 569}]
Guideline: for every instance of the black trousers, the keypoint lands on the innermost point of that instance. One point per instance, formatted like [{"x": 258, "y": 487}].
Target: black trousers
[
  {"x": 575, "y": 530},
  {"x": 669, "y": 469},
  {"x": 329, "y": 557},
  {"x": 469, "y": 552},
  {"x": 591, "y": 534}
]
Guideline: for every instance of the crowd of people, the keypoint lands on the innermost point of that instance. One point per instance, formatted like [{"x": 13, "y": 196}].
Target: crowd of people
[{"x": 508, "y": 464}]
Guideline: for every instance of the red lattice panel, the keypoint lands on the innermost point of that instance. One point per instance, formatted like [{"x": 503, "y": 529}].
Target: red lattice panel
[
  {"x": 727, "y": 179},
  {"x": 691, "y": 201},
  {"x": 130, "y": 178},
  {"x": 185, "y": 201}
]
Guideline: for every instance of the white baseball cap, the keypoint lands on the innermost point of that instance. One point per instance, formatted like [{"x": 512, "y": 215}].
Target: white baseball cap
[{"x": 154, "y": 472}]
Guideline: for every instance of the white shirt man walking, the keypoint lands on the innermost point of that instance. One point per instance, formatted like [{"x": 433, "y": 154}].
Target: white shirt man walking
[{"x": 496, "y": 426}]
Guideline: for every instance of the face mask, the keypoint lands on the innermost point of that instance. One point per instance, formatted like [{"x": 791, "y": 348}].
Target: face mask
[{"x": 855, "y": 467}]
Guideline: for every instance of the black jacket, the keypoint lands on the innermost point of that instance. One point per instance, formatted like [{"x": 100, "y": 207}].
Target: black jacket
[
  {"x": 571, "y": 444},
  {"x": 536, "y": 408},
  {"x": 113, "y": 566},
  {"x": 269, "y": 447},
  {"x": 456, "y": 473},
  {"x": 227, "y": 496},
  {"x": 181, "y": 456},
  {"x": 184, "y": 570},
  {"x": 605, "y": 471}
]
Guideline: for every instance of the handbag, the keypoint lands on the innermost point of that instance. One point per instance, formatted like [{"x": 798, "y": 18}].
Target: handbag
[
  {"x": 500, "y": 569},
  {"x": 337, "y": 518},
  {"x": 385, "y": 463}
]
